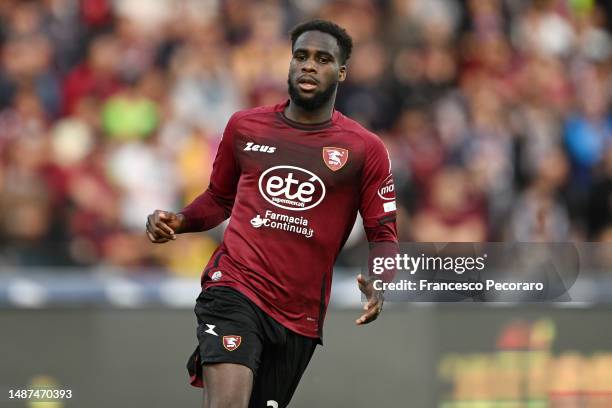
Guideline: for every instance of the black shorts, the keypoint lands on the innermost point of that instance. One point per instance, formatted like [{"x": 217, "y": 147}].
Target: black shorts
[{"x": 232, "y": 329}]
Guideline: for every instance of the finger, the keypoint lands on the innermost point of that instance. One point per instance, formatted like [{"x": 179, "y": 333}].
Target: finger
[
  {"x": 370, "y": 304},
  {"x": 369, "y": 316},
  {"x": 374, "y": 306},
  {"x": 152, "y": 238},
  {"x": 362, "y": 283},
  {"x": 165, "y": 227},
  {"x": 366, "y": 318},
  {"x": 155, "y": 240},
  {"x": 164, "y": 215},
  {"x": 162, "y": 219},
  {"x": 151, "y": 221},
  {"x": 158, "y": 232},
  {"x": 159, "y": 218}
]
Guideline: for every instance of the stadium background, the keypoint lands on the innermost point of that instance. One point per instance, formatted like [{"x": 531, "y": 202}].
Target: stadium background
[{"x": 497, "y": 117}]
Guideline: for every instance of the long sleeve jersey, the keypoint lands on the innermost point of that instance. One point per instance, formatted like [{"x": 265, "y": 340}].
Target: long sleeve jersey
[{"x": 293, "y": 192}]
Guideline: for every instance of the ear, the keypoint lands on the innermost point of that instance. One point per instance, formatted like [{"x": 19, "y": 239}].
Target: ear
[{"x": 342, "y": 73}]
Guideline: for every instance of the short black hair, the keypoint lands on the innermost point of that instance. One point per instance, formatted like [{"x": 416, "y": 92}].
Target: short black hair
[{"x": 345, "y": 42}]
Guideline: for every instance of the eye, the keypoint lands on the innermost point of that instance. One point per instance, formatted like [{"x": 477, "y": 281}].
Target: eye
[
  {"x": 300, "y": 57},
  {"x": 323, "y": 60}
]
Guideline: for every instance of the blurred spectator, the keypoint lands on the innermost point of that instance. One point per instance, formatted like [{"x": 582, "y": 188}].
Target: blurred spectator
[
  {"x": 205, "y": 93},
  {"x": 545, "y": 29},
  {"x": 600, "y": 201},
  {"x": 415, "y": 151},
  {"x": 96, "y": 77},
  {"x": 129, "y": 115},
  {"x": 453, "y": 211},
  {"x": 539, "y": 214},
  {"x": 26, "y": 62},
  {"x": 365, "y": 96},
  {"x": 588, "y": 131}
]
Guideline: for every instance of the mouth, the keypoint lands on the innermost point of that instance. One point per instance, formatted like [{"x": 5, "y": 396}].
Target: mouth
[{"x": 307, "y": 84}]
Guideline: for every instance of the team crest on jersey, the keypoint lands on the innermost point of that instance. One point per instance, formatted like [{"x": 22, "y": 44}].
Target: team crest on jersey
[
  {"x": 335, "y": 157},
  {"x": 231, "y": 343}
]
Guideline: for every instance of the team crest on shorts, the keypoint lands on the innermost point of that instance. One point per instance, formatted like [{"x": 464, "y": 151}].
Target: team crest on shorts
[
  {"x": 335, "y": 157},
  {"x": 231, "y": 343}
]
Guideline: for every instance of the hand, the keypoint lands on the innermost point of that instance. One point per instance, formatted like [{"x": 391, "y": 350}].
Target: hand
[
  {"x": 162, "y": 226},
  {"x": 375, "y": 301}
]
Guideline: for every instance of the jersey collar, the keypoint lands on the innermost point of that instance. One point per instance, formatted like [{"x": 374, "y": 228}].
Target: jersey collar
[{"x": 304, "y": 126}]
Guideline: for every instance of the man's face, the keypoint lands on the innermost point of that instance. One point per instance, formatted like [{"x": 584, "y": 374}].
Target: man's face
[{"x": 315, "y": 70}]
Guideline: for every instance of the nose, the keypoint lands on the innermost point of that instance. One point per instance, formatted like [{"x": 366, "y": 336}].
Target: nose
[{"x": 309, "y": 66}]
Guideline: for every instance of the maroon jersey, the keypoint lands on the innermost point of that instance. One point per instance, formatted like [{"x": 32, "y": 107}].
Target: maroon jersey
[{"x": 293, "y": 192}]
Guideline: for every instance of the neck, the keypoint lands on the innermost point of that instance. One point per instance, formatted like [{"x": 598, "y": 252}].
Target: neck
[{"x": 298, "y": 114}]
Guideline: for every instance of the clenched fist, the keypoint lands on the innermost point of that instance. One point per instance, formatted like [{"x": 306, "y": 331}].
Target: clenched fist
[{"x": 162, "y": 226}]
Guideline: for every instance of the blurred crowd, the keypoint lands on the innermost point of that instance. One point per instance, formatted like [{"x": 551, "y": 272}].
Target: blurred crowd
[{"x": 497, "y": 115}]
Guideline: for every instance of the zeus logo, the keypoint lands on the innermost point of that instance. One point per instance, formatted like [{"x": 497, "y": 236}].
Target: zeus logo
[
  {"x": 291, "y": 188},
  {"x": 252, "y": 147}
]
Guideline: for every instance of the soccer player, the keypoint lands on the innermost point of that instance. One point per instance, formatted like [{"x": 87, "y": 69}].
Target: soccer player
[{"x": 292, "y": 177}]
